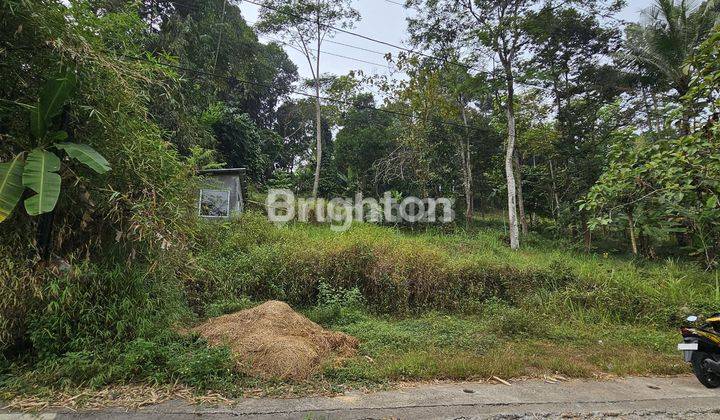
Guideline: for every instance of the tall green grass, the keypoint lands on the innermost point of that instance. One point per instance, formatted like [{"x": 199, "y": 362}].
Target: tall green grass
[{"x": 403, "y": 273}]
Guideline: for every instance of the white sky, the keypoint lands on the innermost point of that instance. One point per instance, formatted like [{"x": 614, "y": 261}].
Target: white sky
[{"x": 384, "y": 20}]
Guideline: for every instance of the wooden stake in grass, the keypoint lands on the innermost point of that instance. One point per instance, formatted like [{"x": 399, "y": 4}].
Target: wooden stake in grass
[{"x": 502, "y": 381}]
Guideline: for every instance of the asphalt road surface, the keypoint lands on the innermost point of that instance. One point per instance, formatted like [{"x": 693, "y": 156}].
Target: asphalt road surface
[{"x": 647, "y": 398}]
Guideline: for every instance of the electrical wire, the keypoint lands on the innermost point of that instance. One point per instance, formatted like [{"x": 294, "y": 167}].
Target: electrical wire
[
  {"x": 345, "y": 31},
  {"x": 402, "y": 5},
  {"x": 279, "y": 41},
  {"x": 375, "y": 40},
  {"x": 356, "y": 47},
  {"x": 378, "y": 41},
  {"x": 365, "y": 37}
]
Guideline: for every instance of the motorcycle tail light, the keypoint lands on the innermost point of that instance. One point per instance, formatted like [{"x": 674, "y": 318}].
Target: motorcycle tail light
[{"x": 684, "y": 331}]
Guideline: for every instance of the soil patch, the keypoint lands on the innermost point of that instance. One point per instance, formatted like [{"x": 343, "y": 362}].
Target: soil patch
[{"x": 273, "y": 341}]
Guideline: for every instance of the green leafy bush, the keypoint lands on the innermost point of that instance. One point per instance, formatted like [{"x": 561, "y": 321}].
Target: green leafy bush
[
  {"x": 337, "y": 306},
  {"x": 99, "y": 306},
  {"x": 138, "y": 215},
  {"x": 99, "y": 325}
]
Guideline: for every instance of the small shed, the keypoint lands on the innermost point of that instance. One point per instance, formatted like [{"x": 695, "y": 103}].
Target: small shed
[{"x": 223, "y": 192}]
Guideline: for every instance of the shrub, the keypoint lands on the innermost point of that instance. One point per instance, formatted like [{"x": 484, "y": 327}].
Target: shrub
[
  {"x": 337, "y": 307},
  {"x": 137, "y": 215},
  {"x": 97, "y": 325},
  {"x": 162, "y": 358},
  {"x": 99, "y": 306}
]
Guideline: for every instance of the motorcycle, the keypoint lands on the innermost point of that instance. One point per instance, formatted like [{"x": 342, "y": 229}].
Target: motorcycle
[{"x": 701, "y": 347}]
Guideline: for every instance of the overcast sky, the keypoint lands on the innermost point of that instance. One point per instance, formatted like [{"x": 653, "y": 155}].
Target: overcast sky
[{"x": 384, "y": 20}]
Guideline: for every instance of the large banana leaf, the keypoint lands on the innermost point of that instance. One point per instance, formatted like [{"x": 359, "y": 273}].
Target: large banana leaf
[
  {"x": 86, "y": 155},
  {"x": 11, "y": 187},
  {"x": 55, "y": 93},
  {"x": 52, "y": 98},
  {"x": 40, "y": 176}
]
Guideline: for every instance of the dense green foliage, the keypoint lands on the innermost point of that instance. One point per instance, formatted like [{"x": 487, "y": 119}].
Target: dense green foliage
[
  {"x": 658, "y": 186},
  {"x": 39, "y": 171},
  {"x": 616, "y": 148}
]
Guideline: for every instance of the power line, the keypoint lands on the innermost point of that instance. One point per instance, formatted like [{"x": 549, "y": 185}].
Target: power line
[
  {"x": 356, "y": 47},
  {"x": 356, "y": 59},
  {"x": 386, "y": 65},
  {"x": 368, "y": 38},
  {"x": 249, "y": 82},
  {"x": 194, "y": 7},
  {"x": 402, "y": 5},
  {"x": 378, "y": 41},
  {"x": 222, "y": 22},
  {"x": 345, "y": 31},
  {"x": 327, "y": 52},
  {"x": 355, "y": 34},
  {"x": 415, "y": 8},
  {"x": 440, "y": 59}
]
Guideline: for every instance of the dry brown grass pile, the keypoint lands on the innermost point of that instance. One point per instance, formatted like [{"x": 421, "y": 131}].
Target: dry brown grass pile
[
  {"x": 133, "y": 396},
  {"x": 273, "y": 341}
]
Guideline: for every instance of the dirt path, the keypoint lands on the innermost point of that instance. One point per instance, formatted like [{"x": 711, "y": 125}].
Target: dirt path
[{"x": 678, "y": 397}]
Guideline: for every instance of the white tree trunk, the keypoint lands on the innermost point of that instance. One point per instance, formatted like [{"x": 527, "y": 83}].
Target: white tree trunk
[
  {"x": 466, "y": 168},
  {"x": 318, "y": 115},
  {"x": 631, "y": 225},
  {"x": 318, "y": 140},
  {"x": 556, "y": 200},
  {"x": 509, "y": 152}
]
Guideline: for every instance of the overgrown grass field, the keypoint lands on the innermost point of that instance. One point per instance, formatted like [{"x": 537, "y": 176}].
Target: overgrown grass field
[
  {"x": 433, "y": 304},
  {"x": 461, "y": 305}
]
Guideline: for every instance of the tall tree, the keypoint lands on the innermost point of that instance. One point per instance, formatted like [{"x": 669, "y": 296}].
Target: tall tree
[
  {"x": 571, "y": 47},
  {"x": 305, "y": 24},
  {"x": 659, "y": 189},
  {"x": 497, "y": 25},
  {"x": 668, "y": 40},
  {"x": 213, "y": 37},
  {"x": 449, "y": 91},
  {"x": 295, "y": 124},
  {"x": 467, "y": 93}
]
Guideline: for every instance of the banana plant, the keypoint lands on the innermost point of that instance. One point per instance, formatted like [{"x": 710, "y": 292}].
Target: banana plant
[{"x": 38, "y": 171}]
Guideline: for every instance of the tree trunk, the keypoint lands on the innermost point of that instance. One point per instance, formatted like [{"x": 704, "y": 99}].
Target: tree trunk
[
  {"x": 658, "y": 119},
  {"x": 633, "y": 239},
  {"x": 318, "y": 115},
  {"x": 520, "y": 200},
  {"x": 217, "y": 49},
  {"x": 509, "y": 151},
  {"x": 556, "y": 204},
  {"x": 555, "y": 200},
  {"x": 686, "y": 111},
  {"x": 44, "y": 235},
  {"x": 587, "y": 236},
  {"x": 648, "y": 112},
  {"x": 466, "y": 168},
  {"x": 318, "y": 141}
]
